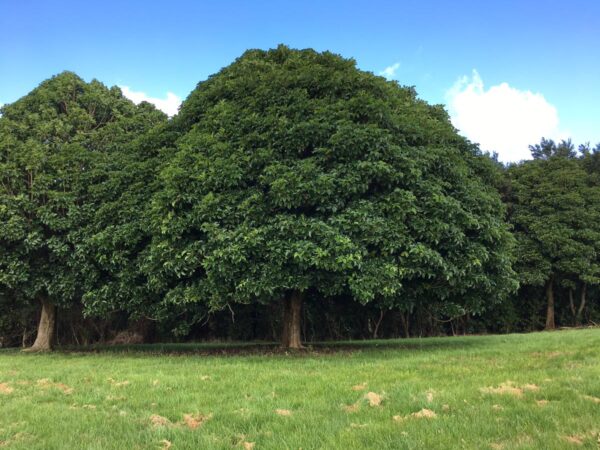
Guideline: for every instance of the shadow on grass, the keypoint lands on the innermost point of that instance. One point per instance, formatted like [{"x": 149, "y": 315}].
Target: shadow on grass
[{"x": 273, "y": 348}]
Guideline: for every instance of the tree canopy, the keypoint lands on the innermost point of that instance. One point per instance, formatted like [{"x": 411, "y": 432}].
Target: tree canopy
[
  {"x": 294, "y": 197},
  {"x": 51, "y": 143},
  {"x": 298, "y": 174},
  {"x": 555, "y": 207}
]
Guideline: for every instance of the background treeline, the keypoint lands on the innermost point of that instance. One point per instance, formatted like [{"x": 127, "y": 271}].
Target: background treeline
[{"x": 292, "y": 198}]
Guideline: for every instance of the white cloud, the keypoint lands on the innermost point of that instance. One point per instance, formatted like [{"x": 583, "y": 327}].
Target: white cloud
[
  {"x": 501, "y": 118},
  {"x": 390, "y": 71},
  {"x": 169, "y": 105}
]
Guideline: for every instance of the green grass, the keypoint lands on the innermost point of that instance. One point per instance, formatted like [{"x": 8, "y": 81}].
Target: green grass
[{"x": 241, "y": 392}]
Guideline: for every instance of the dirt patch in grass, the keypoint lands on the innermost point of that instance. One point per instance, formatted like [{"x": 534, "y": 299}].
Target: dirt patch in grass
[
  {"x": 46, "y": 383},
  {"x": 359, "y": 387},
  {"x": 509, "y": 388},
  {"x": 429, "y": 396},
  {"x": 116, "y": 383},
  {"x": 423, "y": 414},
  {"x": 373, "y": 398},
  {"x": 248, "y": 445},
  {"x": 351, "y": 408},
  {"x": 159, "y": 421},
  {"x": 5, "y": 389},
  {"x": 283, "y": 412},
  {"x": 193, "y": 421},
  {"x": 592, "y": 398},
  {"x": 13, "y": 439},
  {"x": 574, "y": 439}
]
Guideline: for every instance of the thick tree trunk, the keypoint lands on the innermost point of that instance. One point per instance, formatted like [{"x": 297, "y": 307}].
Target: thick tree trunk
[
  {"x": 45, "y": 334},
  {"x": 550, "y": 325},
  {"x": 292, "y": 321}
]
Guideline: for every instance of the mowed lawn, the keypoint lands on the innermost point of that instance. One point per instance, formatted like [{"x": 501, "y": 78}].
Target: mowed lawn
[{"x": 538, "y": 390}]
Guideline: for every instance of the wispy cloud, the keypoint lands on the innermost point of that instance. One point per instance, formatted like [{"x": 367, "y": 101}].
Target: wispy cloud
[
  {"x": 168, "y": 105},
  {"x": 390, "y": 71},
  {"x": 502, "y": 118}
]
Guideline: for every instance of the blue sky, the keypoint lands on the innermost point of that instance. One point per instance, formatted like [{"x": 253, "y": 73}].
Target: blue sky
[{"x": 508, "y": 71}]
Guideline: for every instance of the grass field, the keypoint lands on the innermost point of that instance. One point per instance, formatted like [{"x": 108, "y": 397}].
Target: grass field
[{"x": 539, "y": 390}]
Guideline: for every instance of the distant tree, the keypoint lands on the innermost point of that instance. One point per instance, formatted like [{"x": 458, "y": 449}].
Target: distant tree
[
  {"x": 51, "y": 142},
  {"x": 298, "y": 175},
  {"x": 547, "y": 149},
  {"x": 555, "y": 209}
]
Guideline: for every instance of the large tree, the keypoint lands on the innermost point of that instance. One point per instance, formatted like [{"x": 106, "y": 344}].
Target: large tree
[
  {"x": 555, "y": 209},
  {"x": 296, "y": 175},
  {"x": 51, "y": 142}
]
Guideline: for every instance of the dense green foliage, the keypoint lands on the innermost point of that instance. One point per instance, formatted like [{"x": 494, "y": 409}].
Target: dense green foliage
[
  {"x": 289, "y": 182},
  {"x": 297, "y": 172},
  {"x": 54, "y": 146}
]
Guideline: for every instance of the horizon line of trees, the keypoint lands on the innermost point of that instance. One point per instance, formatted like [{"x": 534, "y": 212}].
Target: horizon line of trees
[{"x": 292, "y": 198}]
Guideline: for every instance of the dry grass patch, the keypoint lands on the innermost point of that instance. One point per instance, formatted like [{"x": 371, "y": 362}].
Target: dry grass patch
[
  {"x": 423, "y": 414},
  {"x": 116, "y": 383},
  {"x": 5, "y": 389},
  {"x": 509, "y": 388},
  {"x": 159, "y": 421},
  {"x": 351, "y": 408},
  {"x": 359, "y": 387},
  {"x": 429, "y": 396},
  {"x": 373, "y": 398},
  {"x": 193, "y": 421},
  {"x": 592, "y": 398},
  {"x": 283, "y": 412},
  {"x": 166, "y": 445},
  {"x": 45, "y": 383},
  {"x": 574, "y": 439}
]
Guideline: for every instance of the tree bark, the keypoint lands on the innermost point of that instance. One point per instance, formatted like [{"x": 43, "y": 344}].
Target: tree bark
[
  {"x": 292, "y": 321},
  {"x": 581, "y": 305},
  {"x": 45, "y": 334},
  {"x": 405, "y": 323},
  {"x": 378, "y": 323},
  {"x": 572, "y": 304},
  {"x": 550, "y": 325}
]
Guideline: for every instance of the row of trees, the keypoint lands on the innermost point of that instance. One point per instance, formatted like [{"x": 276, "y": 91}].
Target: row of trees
[{"x": 307, "y": 198}]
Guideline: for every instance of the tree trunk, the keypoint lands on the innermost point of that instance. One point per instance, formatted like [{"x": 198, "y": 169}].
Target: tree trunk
[
  {"x": 405, "y": 323},
  {"x": 45, "y": 334},
  {"x": 292, "y": 318},
  {"x": 550, "y": 325},
  {"x": 378, "y": 323},
  {"x": 581, "y": 305},
  {"x": 572, "y": 305}
]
